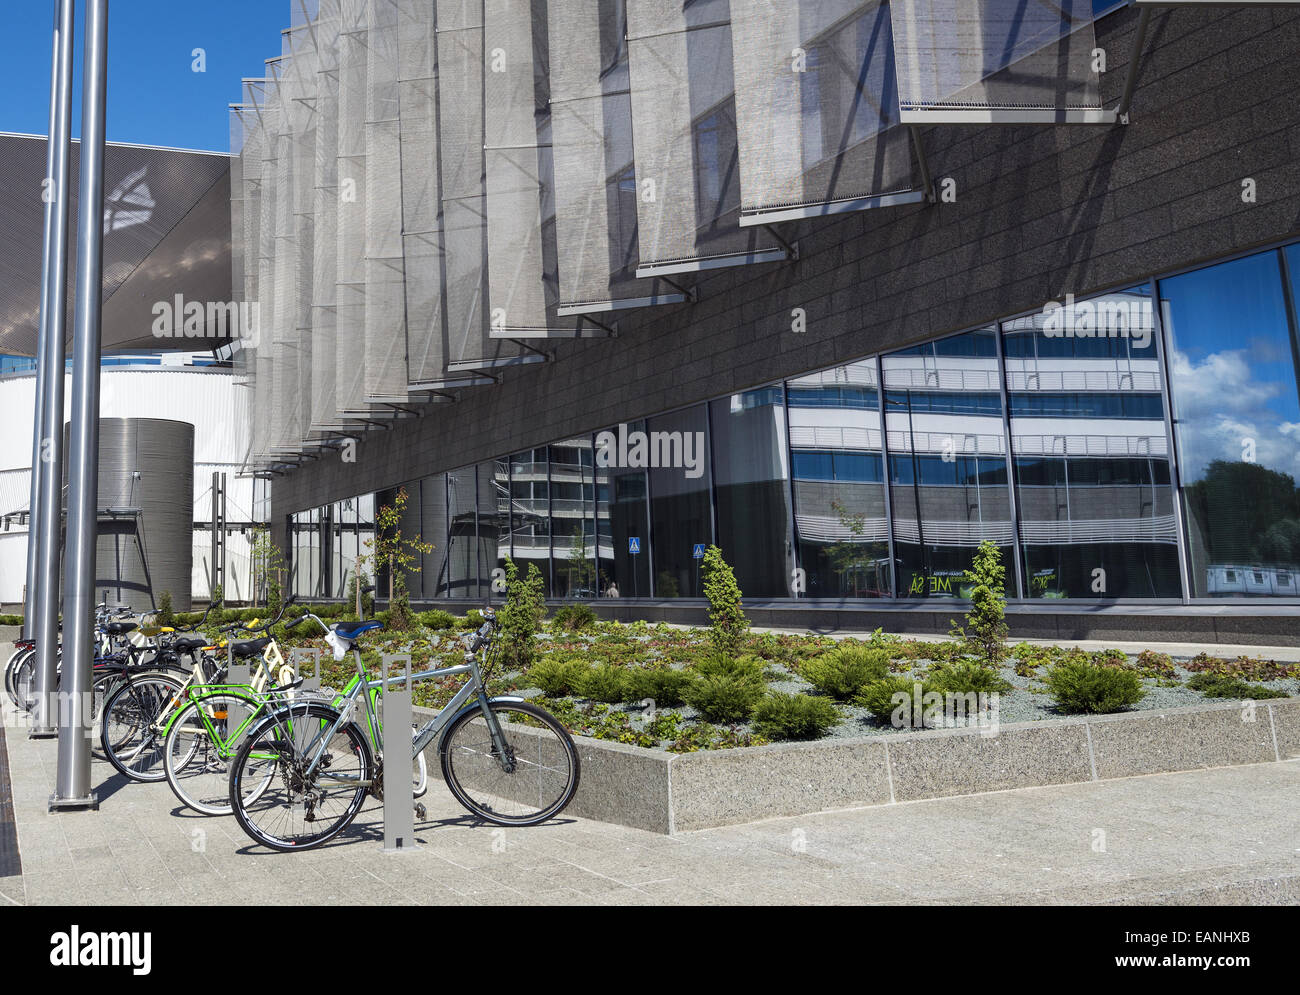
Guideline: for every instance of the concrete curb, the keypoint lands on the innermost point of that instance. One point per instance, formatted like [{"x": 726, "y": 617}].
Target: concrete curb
[{"x": 672, "y": 793}]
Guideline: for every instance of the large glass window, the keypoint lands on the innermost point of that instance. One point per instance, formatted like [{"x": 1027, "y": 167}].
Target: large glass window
[
  {"x": 947, "y": 460},
  {"x": 573, "y": 508},
  {"x": 530, "y": 512},
  {"x": 1090, "y": 450},
  {"x": 1233, "y": 371},
  {"x": 839, "y": 483},
  {"x": 622, "y": 516},
  {"x": 462, "y": 540},
  {"x": 747, "y": 437},
  {"x": 681, "y": 515}
]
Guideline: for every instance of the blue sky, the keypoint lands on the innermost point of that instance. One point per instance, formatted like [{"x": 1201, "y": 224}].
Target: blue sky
[{"x": 154, "y": 97}]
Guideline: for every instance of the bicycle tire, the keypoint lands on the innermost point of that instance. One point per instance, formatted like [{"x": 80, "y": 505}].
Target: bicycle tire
[
  {"x": 466, "y": 754},
  {"x": 129, "y": 742},
  {"x": 11, "y": 665},
  {"x": 261, "y": 813},
  {"x": 197, "y": 769}
]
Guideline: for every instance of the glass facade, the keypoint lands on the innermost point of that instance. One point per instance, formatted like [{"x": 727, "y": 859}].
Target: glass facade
[{"x": 1143, "y": 443}]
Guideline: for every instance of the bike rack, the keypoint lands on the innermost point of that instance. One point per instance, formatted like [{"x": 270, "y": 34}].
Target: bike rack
[{"x": 399, "y": 792}]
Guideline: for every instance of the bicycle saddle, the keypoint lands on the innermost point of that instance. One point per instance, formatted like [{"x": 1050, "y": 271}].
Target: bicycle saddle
[
  {"x": 351, "y": 630},
  {"x": 119, "y": 628},
  {"x": 187, "y": 643},
  {"x": 250, "y": 647}
]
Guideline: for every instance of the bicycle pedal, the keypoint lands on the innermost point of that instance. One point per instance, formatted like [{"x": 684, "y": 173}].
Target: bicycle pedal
[{"x": 420, "y": 812}]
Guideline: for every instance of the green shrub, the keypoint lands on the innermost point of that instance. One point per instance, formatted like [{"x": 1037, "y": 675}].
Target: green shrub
[
  {"x": 727, "y": 618},
  {"x": 720, "y": 665},
  {"x": 436, "y": 618},
  {"x": 966, "y": 677},
  {"x": 844, "y": 671},
  {"x": 1084, "y": 686},
  {"x": 574, "y": 618},
  {"x": 556, "y": 677},
  {"x": 603, "y": 682},
  {"x": 878, "y": 698},
  {"x": 521, "y": 616},
  {"x": 725, "y": 698},
  {"x": 794, "y": 716},
  {"x": 165, "y": 615},
  {"x": 986, "y": 622},
  {"x": 11, "y": 620},
  {"x": 1217, "y": 686},
  {"x": 663, "y": 684},
  {"x": 1110, "y": 658}
]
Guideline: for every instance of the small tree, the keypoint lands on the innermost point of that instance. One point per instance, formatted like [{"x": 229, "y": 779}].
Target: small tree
[
  {"x": 726, "y": 616},
  {"x": 267, "y": 567},
  {"x": 217, "y": 600},
  {"x": 358, "y": 599},
  {"x": 400, "y": 554},
  {"x": 986, "y": 622},
  {"x": 581, "y": 570},
  {"x": 521, "y": 615},
  {"x": 165, "y": 615}
]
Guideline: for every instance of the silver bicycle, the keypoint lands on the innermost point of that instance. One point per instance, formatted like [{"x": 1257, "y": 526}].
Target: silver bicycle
[{"x": 507, "y": 761}]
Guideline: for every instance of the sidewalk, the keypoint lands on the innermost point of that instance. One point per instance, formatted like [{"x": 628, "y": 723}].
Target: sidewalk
[{"x": 1222, "y": 836}]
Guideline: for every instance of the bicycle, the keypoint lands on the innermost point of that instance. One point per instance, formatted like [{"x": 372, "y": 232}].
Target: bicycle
[
  {"x": 507, "y": 761},
  {"x": 207, "y": 732},
  {"x": 139, "y": 713}
]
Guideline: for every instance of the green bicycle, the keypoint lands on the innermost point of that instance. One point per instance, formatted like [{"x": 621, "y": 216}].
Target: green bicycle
[{"x": 209, "y": 729}]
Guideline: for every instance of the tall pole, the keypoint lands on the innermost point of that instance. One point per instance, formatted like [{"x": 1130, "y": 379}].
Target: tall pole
[
  {"x": 45, "y": 533},
  {"x": 73, "y": 784}
]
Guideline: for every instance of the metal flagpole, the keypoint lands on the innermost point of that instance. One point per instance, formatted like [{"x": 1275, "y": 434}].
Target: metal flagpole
[
  {"x": 73, "y": 784},
  {"x": 45, "y": 532}
]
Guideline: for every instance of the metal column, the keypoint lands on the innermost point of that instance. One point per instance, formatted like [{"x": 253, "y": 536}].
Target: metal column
[
  {"x": 46, "y": 513},
  {"x": 73, "y": 785}
]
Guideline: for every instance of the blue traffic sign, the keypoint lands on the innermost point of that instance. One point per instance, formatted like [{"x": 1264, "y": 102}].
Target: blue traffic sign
[
  {"x": 699, "y": 550},
  {"x": 633, "y": 545}
]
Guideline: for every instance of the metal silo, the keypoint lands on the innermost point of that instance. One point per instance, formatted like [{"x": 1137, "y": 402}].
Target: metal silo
[{"x": 146, "y": 511}]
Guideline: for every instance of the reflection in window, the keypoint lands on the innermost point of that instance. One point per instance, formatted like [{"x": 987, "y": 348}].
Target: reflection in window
[
  {"x": 530, "y": 513},
  {"x": 681, "y": 519},
  {"x": 1091, "y": 457},
  {"x": 622, "y": 522},
  {"x": 573, "y": 540},
  {"x": 839, "y": 492},
  {"x": 1233, "y": 369},
  {"x": 749, "y": 460},
  {"x": 462, "y": 540},
  {"x": 947, "y": 462}
]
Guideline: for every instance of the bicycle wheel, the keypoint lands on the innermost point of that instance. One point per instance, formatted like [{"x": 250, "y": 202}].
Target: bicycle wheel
[
  {"x": 23, "y": 681},
  {"x": 11, "y": 668},
  {"x": 533, "y": 781},
  {"x": 298, "y": 811},
  {"x": 129, "y": 735},
  {"x": 197, "y": 751}
]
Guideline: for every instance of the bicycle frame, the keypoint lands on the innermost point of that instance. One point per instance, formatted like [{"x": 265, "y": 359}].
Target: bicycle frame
[{"x": 426, "y": 734}]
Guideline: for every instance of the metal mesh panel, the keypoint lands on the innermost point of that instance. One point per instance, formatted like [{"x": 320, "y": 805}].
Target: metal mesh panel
[
  {"x": 324, "y": 416},
  {"x": 460, "y": 150},
  {"x": 421, "y": 219},
  {"x": 522, "y": 267},
  {"x": 961, "y": 60},
  {"x": 299, "y": 86},
  {"x": 286, "y": 402},
  {"x": 684, "y": 135},
  {"x": 350, "y": 277},
  {"x": 816, "y": 103},
  {"x": 385, "y": 316},
  {"x": 267, "y": 365},
  {"x": 595, "y": 179}
]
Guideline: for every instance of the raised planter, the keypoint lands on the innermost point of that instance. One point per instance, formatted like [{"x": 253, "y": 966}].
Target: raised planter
[{"x": 670, "y": 793}]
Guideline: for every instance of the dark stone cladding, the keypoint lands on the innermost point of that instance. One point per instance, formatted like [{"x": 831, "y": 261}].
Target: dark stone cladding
[{"x": 1040, "y": 211}]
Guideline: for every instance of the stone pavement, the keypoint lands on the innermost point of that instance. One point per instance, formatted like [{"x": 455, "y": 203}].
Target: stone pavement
[{"x": 1229, "y": 835}]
